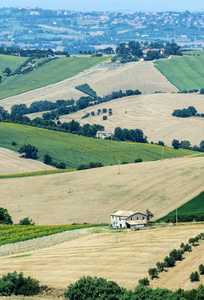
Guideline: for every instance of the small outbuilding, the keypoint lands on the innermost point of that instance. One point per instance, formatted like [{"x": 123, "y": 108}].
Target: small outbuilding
[{"x": 128, "y": 219}]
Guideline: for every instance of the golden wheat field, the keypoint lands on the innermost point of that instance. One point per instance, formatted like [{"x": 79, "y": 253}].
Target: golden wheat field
[
  {"x": 104, "y": 79},
  {"x": 152, "y": 114},
  {"x": 12, "y": 163},
  {"x": 160, "y": 186},
  {"x": 125, "y": 262}
]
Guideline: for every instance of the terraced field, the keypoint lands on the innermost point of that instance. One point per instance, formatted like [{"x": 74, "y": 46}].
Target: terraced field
[
  {"x": 104, "y": 79},
  {"x": 186, "y": 72}
]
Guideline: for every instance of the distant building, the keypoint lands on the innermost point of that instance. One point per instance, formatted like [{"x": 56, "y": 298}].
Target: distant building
[
  {"x": 104, "y": 134},
  {"x": 128, "y": 219}
]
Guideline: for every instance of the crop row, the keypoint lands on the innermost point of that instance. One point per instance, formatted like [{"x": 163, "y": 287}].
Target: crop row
[
  {"x": 16, "y": 233},
  {"x": 36, "y": 173}
]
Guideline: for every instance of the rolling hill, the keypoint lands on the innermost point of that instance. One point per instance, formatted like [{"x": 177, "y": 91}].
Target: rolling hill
[
  {"x": 159, "y": 186},
  {"x": 75, "y": 150},
  {"x": 152, "y": 114},
  {"x": 99, "y": 255},
  {"x": 186, "y": 72},
  {"x": 104, "y": 79},
  {"x": 50, "y": 73},
  {"x": 12, "y": 163}
]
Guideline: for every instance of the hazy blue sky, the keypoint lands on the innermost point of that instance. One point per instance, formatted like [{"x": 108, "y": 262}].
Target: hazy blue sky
[{"x": 154, "y": 5}]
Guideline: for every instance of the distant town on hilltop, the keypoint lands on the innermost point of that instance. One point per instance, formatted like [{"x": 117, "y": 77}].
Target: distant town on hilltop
[{"x": 75, "y": 31}]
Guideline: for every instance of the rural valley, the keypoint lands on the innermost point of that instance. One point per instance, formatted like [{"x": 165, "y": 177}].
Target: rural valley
[{"x": 101, "y": 117}]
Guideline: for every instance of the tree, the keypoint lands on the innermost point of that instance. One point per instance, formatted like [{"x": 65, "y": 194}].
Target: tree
[
  {"x": 144, "y": 281},
  {"x": 176, "y": 144},
  {"x": 29, "y": 150},
  {"x": 7, "y": 71},
  {"x": 192, "y": 110},
  {"x": 160, "y": 266},
  {"x": 26, "y": 221},
  {"x": 201, "y": 269},
  {"x": 194, "y": 276},
  {"x": 202, "y": 146},
  {"x": 149, "y": 214},
  {"x": 5, "y": 218},
  {"x": 47, "y": 159},
  {"x": 169, "y": 261},
  {"x": 202, "y": 91},
  {"x": 153, "y": 272}
]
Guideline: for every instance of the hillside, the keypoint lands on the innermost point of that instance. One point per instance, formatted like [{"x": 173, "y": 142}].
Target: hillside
[
  {"x": 52, "y": 72},
  {"x": 152, "y": 114},
  {"x": 186, "y": 72},
  {"x": 104, "y": 79},
  {"x": 12, "y": 163},
  {"x": 75, "y": 150},
  {"x": 99, "y": 255},
  {"x": 160, "y": 186}
]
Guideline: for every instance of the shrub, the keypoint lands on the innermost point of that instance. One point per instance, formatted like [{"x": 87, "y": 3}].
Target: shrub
[
  {"x": 138, "y": 160},
  {"x": 104, "y": 118},
  {"x": 13, "y": 143},
  {"x": 17, "y": 284},
  {"x": 5, "y": 218},
  {"x": 144, "y": 281},
  {"x": 29, "y": 150},
  {"x": 176, "y": 254},
  {"x": 94, "y": 288},
  {"x": 194, "y": 276},
  {"x": 26, "y": 221},
  {"x": 187, "y": 247}
]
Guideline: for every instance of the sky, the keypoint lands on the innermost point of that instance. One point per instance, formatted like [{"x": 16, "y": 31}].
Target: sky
[{"x": 110, "y": 5}]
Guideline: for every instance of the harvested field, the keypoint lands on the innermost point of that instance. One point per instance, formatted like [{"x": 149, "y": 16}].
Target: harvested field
[
  {"x": 152, "y": 114},
  {"x": 160, "y": 186},
  {"x": 104, "y": 79},
  {"x": 99, "y": 255},
  {"x": 12, "y": 163}
]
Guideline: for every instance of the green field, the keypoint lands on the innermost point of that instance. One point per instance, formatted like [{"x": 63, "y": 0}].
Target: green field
[
  {"x": 50, "y": 73},
  {"x": 192, "y": 207},
  {"x": 193, "y": 52},
  {"x": 75, "y": 150},
  {"x": 13, "y": 62},
  {"x": 186, "y": 72}
]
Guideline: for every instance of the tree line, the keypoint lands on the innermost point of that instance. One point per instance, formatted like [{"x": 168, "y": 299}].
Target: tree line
[{"x": 34, "y": 53}]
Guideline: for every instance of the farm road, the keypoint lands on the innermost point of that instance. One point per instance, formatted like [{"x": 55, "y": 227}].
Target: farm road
[{"x": 43, "y": 242}]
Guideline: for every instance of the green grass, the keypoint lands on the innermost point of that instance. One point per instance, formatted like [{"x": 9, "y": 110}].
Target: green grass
[
  {"x": 193, "y": 52},
  {"x": 13, "y": 62},
  {"x": 50, "y": 73},
  {"x": 192, "y": 207},
  {"x": 75, "y": 150},
  {"x": 186, "y": 72}
]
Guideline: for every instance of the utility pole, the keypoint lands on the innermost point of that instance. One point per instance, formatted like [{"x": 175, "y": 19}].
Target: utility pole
[
  {"x": 69, "y": 186},
  {"x": 176, "y": 216},
  {"x": 116, "y": 234},
  {"x": 162, "y": 153},
  {"x": 37, "y": 218},
  {"x": 118, "y": 167}
]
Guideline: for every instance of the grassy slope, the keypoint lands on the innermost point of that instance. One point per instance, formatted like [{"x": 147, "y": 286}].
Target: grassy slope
[
  {"x": 13, "y": 62},
  {"x": 194, "y": 206},
  {"x": 184, "y": 72},
  {"x": 50, "y": 73},
  {"x": 75, "y": 150}
]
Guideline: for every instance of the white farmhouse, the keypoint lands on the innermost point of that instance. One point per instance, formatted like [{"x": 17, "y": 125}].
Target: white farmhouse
[{"x": 128, "y": 219}]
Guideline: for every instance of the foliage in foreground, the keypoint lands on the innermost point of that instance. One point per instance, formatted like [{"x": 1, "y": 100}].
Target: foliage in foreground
[
  {"x": 100, "y": 288},
  {"x": 15, "y": 283}
]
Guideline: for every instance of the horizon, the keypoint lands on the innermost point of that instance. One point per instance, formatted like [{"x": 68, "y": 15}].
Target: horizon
[{"x": 106, "y": 5}]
